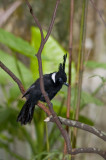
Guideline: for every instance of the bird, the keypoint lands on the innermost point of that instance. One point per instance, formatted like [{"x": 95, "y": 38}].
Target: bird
[{"x": 53, "y": 82}]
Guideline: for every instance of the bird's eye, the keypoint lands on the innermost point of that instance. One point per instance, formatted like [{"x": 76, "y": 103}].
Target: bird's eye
[{"x": 60, "y": 80}]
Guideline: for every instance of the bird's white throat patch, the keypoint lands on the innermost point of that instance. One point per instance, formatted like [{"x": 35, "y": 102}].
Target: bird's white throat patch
[{"x": 54, "y": 77}]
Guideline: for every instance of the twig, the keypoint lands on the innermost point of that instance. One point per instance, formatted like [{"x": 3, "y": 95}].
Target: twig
[
  {"x": 80, "y": 65},
  {"x": 69, "y": 67},
  {"x": 70, "y": 59},
  {"x": 35, "y": 19},
  {"x": 90, "y": 150},
  {"x": 13, "y": 77},
  {"x": 98, "y": 12},
  {"x": 52, "y": 21}
]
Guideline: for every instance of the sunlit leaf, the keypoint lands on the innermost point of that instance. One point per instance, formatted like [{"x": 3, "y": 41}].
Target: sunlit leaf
[
  {"x": 16, "y": 43},
  {"x": 9, "y": 61}
]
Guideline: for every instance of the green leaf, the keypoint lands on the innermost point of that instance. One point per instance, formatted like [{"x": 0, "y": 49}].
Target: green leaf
[
  {"x": 93, "y": 64},
  {"x": 16, "y": 43},
  {"x": 13, "y": 97},
  {"x": 10, "y": 62},
  {"x": 87, "y": 98}
]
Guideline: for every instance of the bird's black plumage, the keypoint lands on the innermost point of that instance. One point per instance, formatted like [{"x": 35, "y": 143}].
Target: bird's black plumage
[{"x": 53, "y": 82}]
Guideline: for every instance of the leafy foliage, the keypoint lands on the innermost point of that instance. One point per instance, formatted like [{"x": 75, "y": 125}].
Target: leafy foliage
[{"x": 16, "y": 43}]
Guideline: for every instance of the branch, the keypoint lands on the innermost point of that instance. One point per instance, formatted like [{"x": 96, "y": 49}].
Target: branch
[
  {"x": 35, "y": 19},
  {"x": 80, "y": 125},
  {"x": 89, "y": 150},
  {"x": 13, "y": 77},
  {"x": 85, "y": 127},
  {"x": 52, "y": 21}
]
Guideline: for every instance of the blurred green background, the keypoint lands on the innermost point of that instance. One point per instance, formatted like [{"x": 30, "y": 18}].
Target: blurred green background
[{"x": 19, "y": 42}]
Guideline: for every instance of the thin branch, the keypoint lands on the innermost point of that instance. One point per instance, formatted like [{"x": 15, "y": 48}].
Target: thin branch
[
  {"x": 52, "y": 21},
  {"x": 70, "y": 59},
  {"x": 80, "y": 65},
  {"x": 13, "y": 77},
  {"x": 35, "y": 19},
  {"x": 97, "y": 10},
  {"x": 89, "y": 150},
  {"x": 69, "y": 67}
]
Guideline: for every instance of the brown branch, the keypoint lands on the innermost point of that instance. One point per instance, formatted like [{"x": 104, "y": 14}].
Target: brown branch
[
  {"x": 89, "y": 150},
  {"x": 97, "y": 10},
  {"x": 70, "y": 59},
  {"x": 35, "y": 19},
  {"x": 13, "y": 77},
  {"x": 69, "y": 67},
  {"x": 52, "y": 21},
  {"x": 85, "y": 127}
]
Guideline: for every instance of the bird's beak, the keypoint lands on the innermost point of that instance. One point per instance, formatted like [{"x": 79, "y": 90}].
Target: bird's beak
[{"x": 66, "y": 84}]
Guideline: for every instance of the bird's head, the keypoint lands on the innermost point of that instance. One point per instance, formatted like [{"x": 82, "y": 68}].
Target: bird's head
[{"x": 60, "y": 76}]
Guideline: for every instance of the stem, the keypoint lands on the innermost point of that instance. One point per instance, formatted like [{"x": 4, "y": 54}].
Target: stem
[
  {"x": 69, "y": 67},
  {"x": 80, "y": 65}
]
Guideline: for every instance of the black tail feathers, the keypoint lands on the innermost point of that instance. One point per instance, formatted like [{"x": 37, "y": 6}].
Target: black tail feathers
[{"x": 26, "y": 114}]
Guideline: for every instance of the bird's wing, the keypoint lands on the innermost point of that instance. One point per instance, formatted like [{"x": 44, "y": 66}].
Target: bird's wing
[
  {"x": 28, "y": 91},
  {"x": 47, "y": 80}
]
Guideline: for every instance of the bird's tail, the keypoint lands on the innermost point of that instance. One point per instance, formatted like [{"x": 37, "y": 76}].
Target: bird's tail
[{"x": 26, "y": 114}]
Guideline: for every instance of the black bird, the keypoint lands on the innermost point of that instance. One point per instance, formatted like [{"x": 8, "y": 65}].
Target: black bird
[{"x": 53, "y": 82}]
